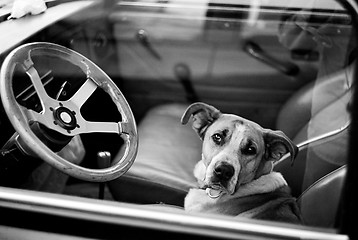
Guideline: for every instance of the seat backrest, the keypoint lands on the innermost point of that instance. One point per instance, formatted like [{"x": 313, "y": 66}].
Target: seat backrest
[
  {"x": 319, "y": 109},
  {"x": 319, "y": 203},
  {"x": 167, "y": 155},
  {"x": 311, "y": 99}
]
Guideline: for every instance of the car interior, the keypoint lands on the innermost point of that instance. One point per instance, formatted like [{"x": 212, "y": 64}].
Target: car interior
[{"x": 284, "y": 65}]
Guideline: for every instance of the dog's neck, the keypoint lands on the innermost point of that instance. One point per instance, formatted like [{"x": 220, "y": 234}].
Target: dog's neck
[
  {"x": 198, "y": 200},
  {"x": 264, "y": 184}
]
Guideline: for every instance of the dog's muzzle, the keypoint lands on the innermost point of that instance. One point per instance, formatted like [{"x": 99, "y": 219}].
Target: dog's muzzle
[
  {"x": 223, "y": 173},
  {"x": 220, "y": 179}
]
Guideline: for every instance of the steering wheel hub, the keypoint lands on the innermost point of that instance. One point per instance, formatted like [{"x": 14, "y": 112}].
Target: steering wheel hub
[{"x": 65, "y": 118}]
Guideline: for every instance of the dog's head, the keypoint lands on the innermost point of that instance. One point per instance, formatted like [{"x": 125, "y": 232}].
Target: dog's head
[{"x": 235, "y": 150}]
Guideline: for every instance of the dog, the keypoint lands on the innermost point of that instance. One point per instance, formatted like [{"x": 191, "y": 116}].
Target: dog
[{"x": 235, "y": 174}]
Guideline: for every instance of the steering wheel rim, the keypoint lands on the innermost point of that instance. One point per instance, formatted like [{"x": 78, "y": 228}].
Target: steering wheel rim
[{"x": 20, "y": 117}]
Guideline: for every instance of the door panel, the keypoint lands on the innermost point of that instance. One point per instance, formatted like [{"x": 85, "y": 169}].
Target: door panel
[{"x": 210, "y": 40}]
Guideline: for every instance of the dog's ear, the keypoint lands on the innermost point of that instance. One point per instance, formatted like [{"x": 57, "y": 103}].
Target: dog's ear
[
  {"x": 277, "y": 145},
  {"x": 203, "y": 116}
]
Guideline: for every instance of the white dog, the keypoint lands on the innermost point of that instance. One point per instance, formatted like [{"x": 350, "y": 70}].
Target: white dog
[{"x": 235, "y": 174}]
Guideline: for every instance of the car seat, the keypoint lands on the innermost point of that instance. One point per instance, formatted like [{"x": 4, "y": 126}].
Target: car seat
[
  {"x": 167, "y": 154},
  {"x": 317, "y": 120},
  {"x": 319, "y": 204},
  {"x": 168, "y": 151}
]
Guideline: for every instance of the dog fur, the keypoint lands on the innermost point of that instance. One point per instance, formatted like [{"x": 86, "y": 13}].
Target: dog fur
[{"x": 235, "y": 174}]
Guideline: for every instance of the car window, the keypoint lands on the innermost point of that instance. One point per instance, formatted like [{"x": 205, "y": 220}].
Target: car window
[{"x": 285, "y": 65}]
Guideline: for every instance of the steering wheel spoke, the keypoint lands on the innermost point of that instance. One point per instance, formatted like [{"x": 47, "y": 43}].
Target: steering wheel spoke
[
  {"x": 107, "y": 127},
  {"x": 104, "y": 127},
  {"x": 33, "y": 116},
  {"x": 85, "y": 91},
  {"x": 36, "y": 81}
]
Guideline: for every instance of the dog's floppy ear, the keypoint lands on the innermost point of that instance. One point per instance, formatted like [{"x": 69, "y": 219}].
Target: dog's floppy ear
[
  {"x": 203, "y": 116},
  {"x": 277, "y": 145}
]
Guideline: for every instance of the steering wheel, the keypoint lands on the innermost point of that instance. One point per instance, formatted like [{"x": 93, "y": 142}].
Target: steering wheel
[{"x": 65, "y": 117}]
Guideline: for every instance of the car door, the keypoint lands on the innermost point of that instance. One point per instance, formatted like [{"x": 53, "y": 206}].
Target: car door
[{"x": 244, "y": 58}]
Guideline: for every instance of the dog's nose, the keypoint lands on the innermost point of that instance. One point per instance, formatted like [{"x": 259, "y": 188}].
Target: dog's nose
[{"x": 224, "y": 171}]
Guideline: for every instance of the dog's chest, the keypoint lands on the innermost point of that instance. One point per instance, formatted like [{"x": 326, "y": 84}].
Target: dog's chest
[
  {"x": 197, "y": 200},
  {"x": 249, "y": 196}
]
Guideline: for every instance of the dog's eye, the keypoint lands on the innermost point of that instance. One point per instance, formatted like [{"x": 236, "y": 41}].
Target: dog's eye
[
  {"x": 217, "y": 138},
  {"x": 250, "y": 150}
]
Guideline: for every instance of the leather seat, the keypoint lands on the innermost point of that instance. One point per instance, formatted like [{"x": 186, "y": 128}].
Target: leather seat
[
  {"x": 316, "y": 118},
  {"x": 168, "y": 151},
  {"x": 319, "y": 203},
  {"x": 317, "y": 110},
  {"x": 297, "y": 112},
  {"x": 167, "y": 154}
]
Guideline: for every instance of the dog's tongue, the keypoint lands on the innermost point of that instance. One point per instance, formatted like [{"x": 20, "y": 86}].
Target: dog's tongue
[{"x": 214, "y": 192}]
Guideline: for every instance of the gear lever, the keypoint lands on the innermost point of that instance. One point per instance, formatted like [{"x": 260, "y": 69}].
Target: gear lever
[{"x": 103, "y": 161}]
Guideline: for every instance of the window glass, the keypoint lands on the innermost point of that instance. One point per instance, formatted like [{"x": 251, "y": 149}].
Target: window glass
[{"x": 285, "y": 64}]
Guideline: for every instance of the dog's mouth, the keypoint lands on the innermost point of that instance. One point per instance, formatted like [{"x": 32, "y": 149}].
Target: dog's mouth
[{"x": 215, "y": 191}]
